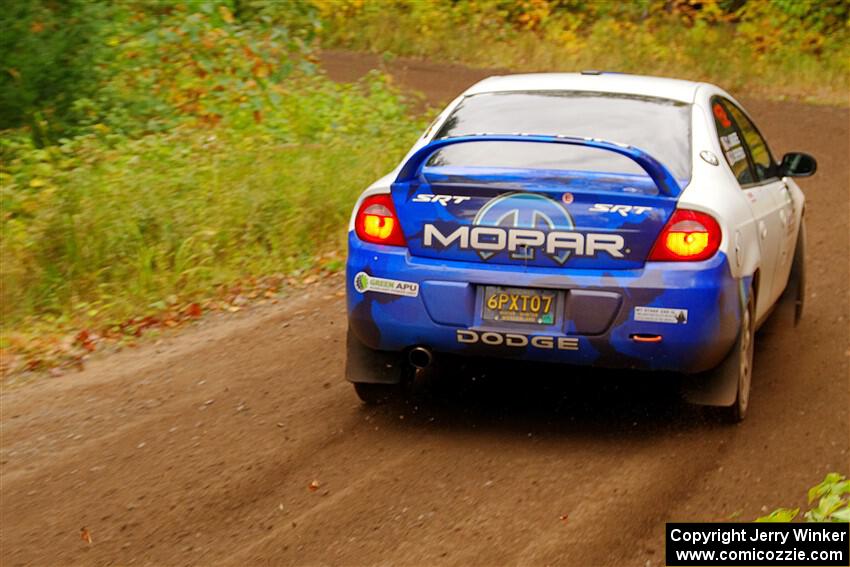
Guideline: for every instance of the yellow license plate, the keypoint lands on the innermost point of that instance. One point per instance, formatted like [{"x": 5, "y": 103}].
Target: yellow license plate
[{"x": 519, "y": 305}]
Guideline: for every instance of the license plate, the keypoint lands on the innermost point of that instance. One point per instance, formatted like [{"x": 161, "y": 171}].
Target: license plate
[{"x": 519, "y": 305}]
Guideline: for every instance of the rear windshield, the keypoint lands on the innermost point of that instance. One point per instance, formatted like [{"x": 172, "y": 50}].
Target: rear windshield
[{"x": 660, "y": 127}]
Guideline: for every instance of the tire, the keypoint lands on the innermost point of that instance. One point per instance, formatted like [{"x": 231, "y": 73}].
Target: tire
[
  {"x": 377, "y": 394},
  {"x": 738, "y": 366}
]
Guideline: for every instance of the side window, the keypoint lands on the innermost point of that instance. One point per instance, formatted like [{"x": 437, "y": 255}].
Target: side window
[
  {"x": 763, "y": 165},
  {"x": 731, "y": 140}
]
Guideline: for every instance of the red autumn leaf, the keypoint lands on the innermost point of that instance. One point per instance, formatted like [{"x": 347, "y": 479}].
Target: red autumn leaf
[{"x": 193, "y": 310}]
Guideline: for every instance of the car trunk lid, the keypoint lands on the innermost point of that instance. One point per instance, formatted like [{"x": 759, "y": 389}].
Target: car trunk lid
[{"x": 533, "y": 217}]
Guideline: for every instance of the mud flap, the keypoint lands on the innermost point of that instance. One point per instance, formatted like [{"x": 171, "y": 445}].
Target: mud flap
[
  {"x": 364, "y": 365},
  {"x": 796, "y": 290},
  {"x": 789, "y": 307},
  {"x": 717, "y": 387}
]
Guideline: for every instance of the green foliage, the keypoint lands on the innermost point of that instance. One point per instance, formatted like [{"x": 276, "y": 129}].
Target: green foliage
[
  {"x": 833, "y": 504},
  {"x": 48, "y": 53},
  {"x": 780, "y": 515},
  {"x": 140, "y": 67},
  {"x": 119, "y": 223},
  {"x": 209, "y": 149},
  {"x": 300, "y": 18},
  {"x": 798, "y": 49}
]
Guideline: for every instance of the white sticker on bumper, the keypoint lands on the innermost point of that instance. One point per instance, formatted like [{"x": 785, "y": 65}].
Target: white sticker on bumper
[
  {"x": 661, "y": 315},
  {"x": 363, "y": 282}
]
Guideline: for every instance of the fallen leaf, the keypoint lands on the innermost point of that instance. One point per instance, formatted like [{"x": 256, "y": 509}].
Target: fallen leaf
[
  {"x": 86, "y": 340},
  {"x": 193, "y": 310},
  {"x": 85, "y": 535}
]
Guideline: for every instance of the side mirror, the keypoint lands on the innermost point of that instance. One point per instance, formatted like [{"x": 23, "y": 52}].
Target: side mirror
[{"x": 797, "y": 164}]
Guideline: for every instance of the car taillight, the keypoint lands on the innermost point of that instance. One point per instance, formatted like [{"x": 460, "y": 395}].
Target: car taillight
[
  {"x": 377, "y": 221},
  {"x": 687, "y": 236}
]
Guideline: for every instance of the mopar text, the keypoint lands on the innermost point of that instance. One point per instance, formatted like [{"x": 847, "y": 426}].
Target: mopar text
[{"x": 495, "y": 239}]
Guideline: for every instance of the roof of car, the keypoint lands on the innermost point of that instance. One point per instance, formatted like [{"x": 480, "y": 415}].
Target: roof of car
[{"x": 593, "y": 81}]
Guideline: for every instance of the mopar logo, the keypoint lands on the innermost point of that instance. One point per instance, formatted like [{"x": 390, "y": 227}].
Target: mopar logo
[
  {"x": 528, "y": 211},
  {"x": 524, "y": 224}
]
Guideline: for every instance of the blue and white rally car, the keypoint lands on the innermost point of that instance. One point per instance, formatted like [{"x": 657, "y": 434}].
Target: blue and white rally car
[{"x": 591, "y": 219}]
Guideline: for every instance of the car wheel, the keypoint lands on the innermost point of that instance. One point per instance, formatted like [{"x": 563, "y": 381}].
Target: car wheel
[{"x": 740, "y": 362}]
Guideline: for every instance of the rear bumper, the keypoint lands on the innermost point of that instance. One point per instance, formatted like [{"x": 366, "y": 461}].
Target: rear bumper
[{"x": 595, "y": 325}]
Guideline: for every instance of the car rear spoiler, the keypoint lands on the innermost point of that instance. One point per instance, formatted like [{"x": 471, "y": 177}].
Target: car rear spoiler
[{"x": 664, "y": 180}]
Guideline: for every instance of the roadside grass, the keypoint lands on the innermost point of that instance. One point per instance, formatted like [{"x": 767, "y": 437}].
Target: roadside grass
[
  {"x": 744, "y": 58},
  {"x": 99, "y": 233},
  {"x": 188, "y": 160},
  {"x": 137, "y": 228}
]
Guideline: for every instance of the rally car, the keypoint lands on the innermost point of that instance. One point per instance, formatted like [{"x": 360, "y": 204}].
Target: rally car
[{"x": 589, "y": 218}]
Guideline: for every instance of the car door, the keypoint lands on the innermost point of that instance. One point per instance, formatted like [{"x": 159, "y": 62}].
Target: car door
[
  {"x": 749, "y": 158},
  {"x": 784, "y": 219},
  {"x": 782, "y": 223}
]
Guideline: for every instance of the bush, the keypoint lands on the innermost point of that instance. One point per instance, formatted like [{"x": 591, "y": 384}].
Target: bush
[
  {"x": 209, "y": 149},
  {"x": 111, "y": 223},
  {"x": 833, "y": 504},
  {"x": 49, "y": 52}
]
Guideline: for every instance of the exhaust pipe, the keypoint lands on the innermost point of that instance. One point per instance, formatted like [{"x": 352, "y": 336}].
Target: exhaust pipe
[{"x": 420, "y": 357}]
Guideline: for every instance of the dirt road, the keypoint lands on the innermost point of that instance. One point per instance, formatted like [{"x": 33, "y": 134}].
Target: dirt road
[{"x": 201, "y": 449}]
